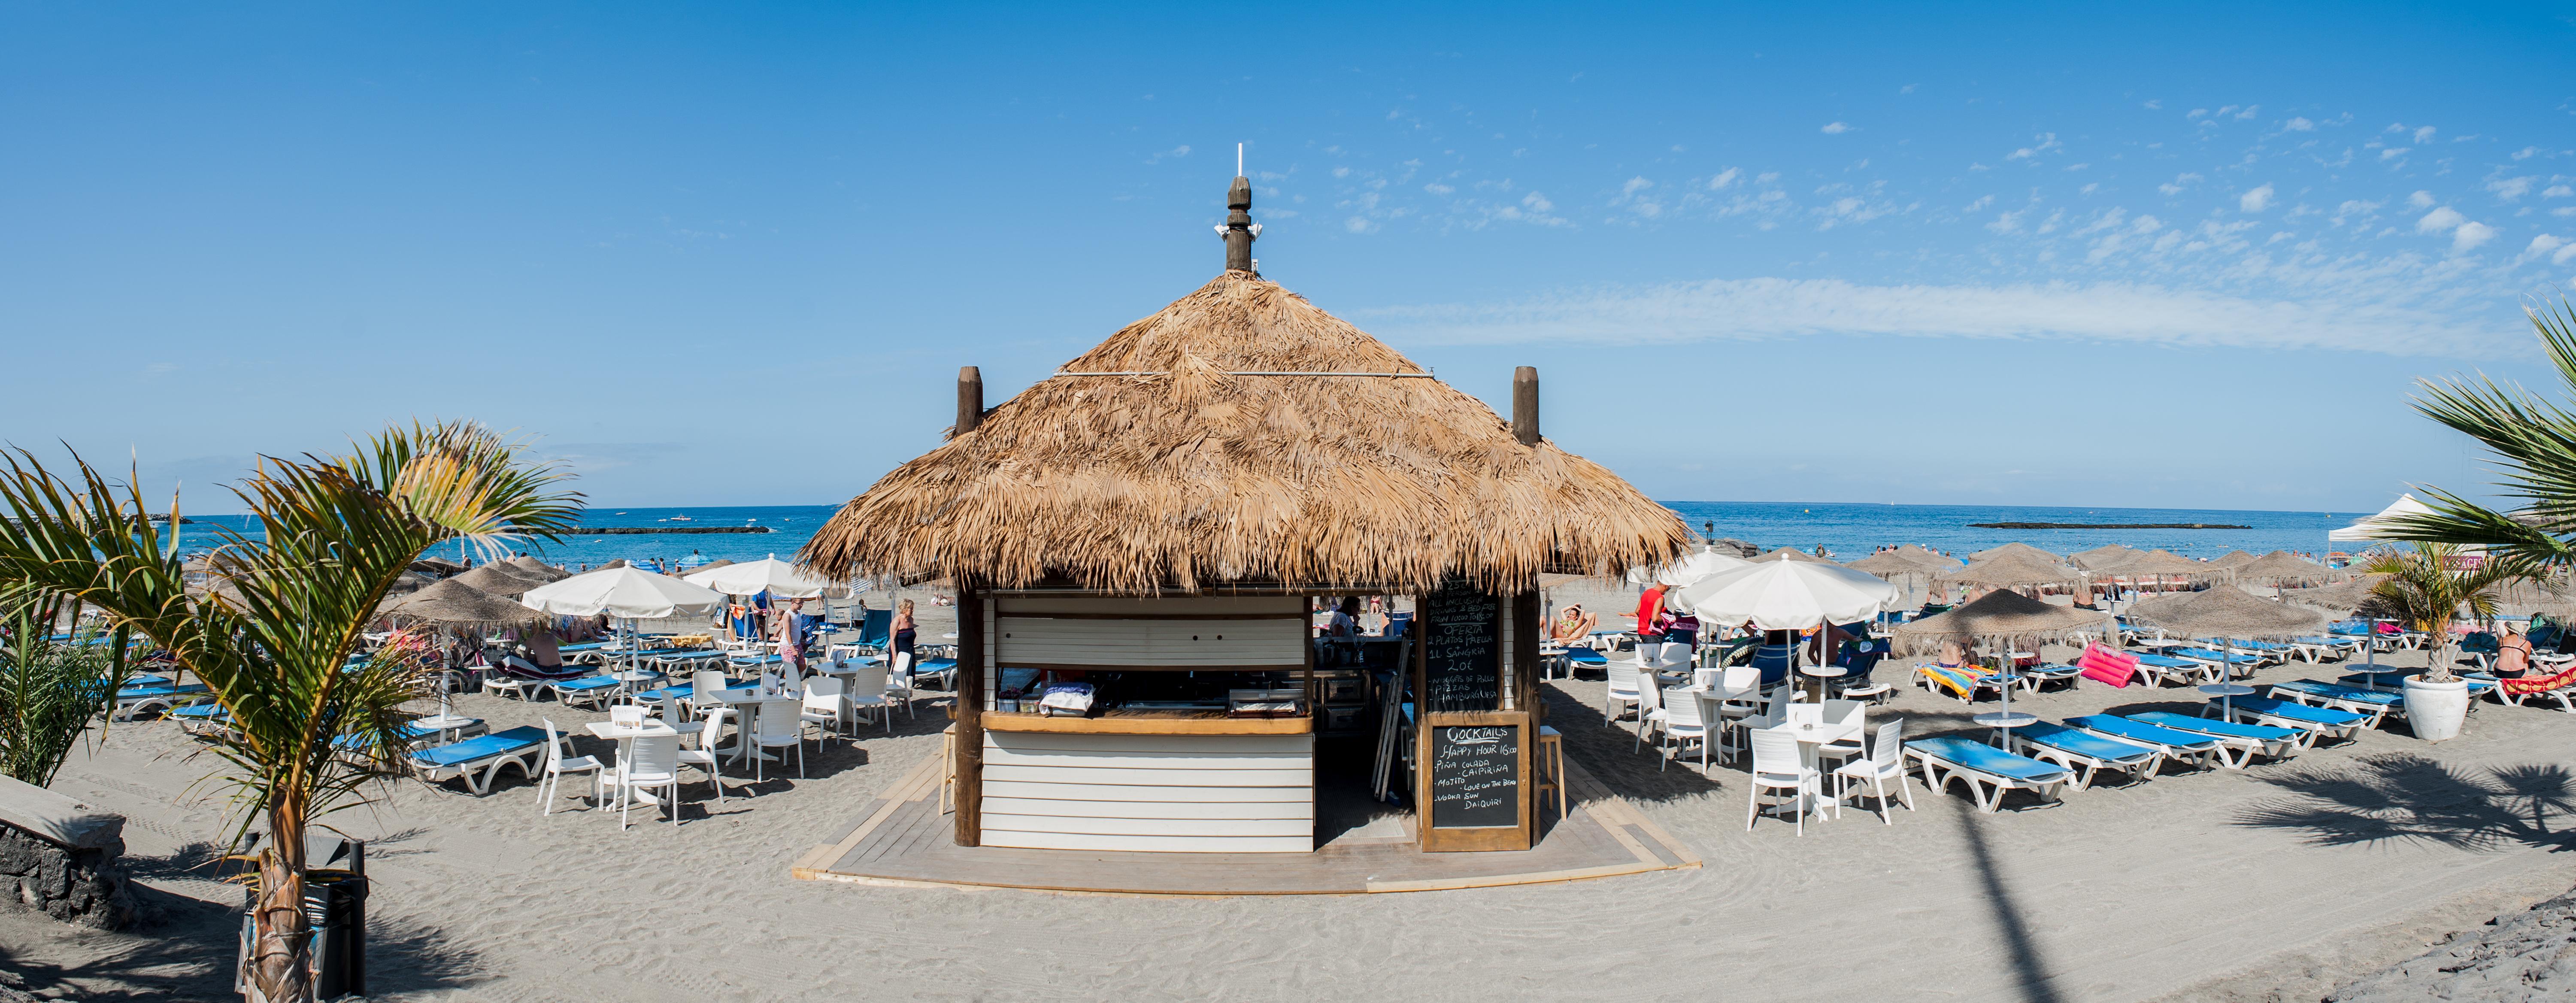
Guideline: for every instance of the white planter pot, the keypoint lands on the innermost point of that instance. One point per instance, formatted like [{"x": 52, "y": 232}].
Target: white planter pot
[{"x": 2436, "y": 710}]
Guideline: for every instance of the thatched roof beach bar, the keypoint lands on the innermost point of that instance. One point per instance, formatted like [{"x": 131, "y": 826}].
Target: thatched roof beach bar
[{"x": 1137, "y": 540}]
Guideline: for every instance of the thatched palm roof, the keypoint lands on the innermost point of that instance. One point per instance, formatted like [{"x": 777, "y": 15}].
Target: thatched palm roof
[
  {"x": 2013, "y": 570},
  {"x": 2100, "y": 557},
  {"x": 2159, "y": 562},
  {"x": 2235, "y": 559},
  {"x": 453, "y": 601},
  {"x": 2000, "y": 613},
  {"x": 1888, "y": 562},
  {"x": 2341, "y": 600},
  {"x": 1791, "y": 553},
  {"x": 498, "y": 579},
  {"x": 2282, "y": 567},
  {"x": 1201, "y": 472},
  {"x": 529, "y": 567},
  {"x": 2022, "y": 549},
  {"x": 2227, "y": 611},
  {"x": 1930, "y": 560},
  {"x": 436, "y": 566}
]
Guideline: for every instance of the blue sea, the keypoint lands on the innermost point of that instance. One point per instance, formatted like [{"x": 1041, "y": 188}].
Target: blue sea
[{"x": 1848, "y": 531}]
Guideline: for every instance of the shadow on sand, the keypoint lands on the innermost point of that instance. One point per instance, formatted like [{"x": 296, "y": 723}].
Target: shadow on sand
[{"x": 2403, "y": 796}]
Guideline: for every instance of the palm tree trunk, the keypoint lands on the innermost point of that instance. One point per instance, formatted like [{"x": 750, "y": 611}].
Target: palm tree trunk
[{"x": 281, "y": 945}]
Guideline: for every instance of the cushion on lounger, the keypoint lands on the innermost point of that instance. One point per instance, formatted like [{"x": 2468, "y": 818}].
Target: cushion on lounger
[
  {"x": 2332, "y": 691},
  {"x": 2231, "y": 729},
  {"x": 502, "y": 743},
  {"x": 2082, "y": 743},
  {"x": 2111, "y": 724},
  {"x": 2286, "y": 710},
  {"x": 1954, "y": 680},
  {"x": 1988, "y": 759}
]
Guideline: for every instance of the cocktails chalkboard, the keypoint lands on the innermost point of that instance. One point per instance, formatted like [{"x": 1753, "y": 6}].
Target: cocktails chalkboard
[
  {"x": 1475, "y": 776},
  {"x": 1462, "y": 650}
]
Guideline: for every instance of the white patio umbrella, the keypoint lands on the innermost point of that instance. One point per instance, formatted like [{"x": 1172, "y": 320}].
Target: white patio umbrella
[
  {"x": 628, "y": 593},
  {"x": 1698, "y": 566},
  {"x": 771, "y": 575},
  {"x": 1785, "y": 595}
]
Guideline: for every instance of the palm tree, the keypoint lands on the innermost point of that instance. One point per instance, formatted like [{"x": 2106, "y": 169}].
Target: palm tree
[
  {"x": 50, "y": 692},
  {"x": 275, "y": 647},
  {"x": 2534, "y": 442},
  {"x": 2429, "y": 585}
]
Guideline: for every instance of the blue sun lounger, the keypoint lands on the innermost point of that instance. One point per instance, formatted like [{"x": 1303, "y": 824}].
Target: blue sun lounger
[
  {"x": 2376, "y": 705},
  {"x": 203, "y": 720},
  {"x": 2160, "y": 669},
  {"x": 592, "y": 690},
  {"x": 2238, "y": 663},
  {"x": 1578, "y": 659},
  {"x": 2395, "y": 681},
  {"x": 2178, "y": 746},
  {"x": 2314, "y": 722},
  {"x": 479, "y": 759},
  {"x": 135, "y": 701},
  {"x": 2238, "y": 744},
  {"x": 2084, "y": 752},
  {"x": 1988, "y": 771}
]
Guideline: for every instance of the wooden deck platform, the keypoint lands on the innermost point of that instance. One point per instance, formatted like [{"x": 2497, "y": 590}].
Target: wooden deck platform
[{"x": 905, "y": 839}]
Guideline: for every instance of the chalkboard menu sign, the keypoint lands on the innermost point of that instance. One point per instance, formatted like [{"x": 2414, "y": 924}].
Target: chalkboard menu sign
[
  {"x": 1475, "y": 776},
  {"x": 1462, "y": 650}
]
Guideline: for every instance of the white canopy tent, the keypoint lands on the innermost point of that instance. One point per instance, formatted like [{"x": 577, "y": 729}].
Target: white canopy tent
[
  {"x": 2378, "y": 527},
  {"x": 771, "y": 575}
]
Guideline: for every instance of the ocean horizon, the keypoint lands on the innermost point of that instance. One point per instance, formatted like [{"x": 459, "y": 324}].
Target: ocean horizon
[{"x": 1846, "y": 530}]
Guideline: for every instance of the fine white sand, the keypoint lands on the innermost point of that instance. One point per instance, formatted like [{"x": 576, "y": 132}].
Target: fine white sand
[{"x": 2281, "y": 882}]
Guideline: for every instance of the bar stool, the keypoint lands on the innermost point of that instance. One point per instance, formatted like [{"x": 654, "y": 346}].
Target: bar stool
[{"x": 1550, "y": 762}]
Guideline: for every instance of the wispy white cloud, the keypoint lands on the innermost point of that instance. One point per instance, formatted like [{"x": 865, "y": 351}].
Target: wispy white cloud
[
  {"x": 2440, "y": 220},
  {"x": 2424, "y": 135},
  {"x": 2299, "y": 125},
  {"x": 1835, "y": 128},
  {"x": 1724, "y": 179},
  {"x": 1771, "y": 308},
  {"x": 2470, "y": 235},
  {"x": 2256, "y": 200}
]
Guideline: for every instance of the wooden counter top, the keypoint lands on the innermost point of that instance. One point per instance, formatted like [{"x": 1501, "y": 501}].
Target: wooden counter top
[{"x": 1119, "y": 722}]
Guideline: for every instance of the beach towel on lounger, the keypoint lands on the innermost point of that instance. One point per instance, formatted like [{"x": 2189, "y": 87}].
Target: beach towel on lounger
[{"x": 2529, "y": 685}]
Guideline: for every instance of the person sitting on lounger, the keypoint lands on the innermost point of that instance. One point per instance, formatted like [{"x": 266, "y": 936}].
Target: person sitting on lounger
[
  {"x": 545, "y": 657},
  {"x": 2513, "y": 653},
  {"x": 1573, "y": 624},
  {"x": 1955, "y": 655}
]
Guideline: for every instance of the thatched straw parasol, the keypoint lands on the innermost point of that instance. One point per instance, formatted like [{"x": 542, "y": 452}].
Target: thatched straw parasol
[
  {"x": 1791, "y": 553},
  {"x": 498, "y": 579},
  {"x": 711, "y": 566},
  {"x": 1888, "y": 562},
  {"x": 2013, "y": 571},
  {"x": 1242, "y": 435},
  {"x": 436, "y": 566},
  {"x": 2228, "y": 612},
  {"x": 1929, "y": 559},
  {"x": 2022, "y": 549},
  {"x": 2101, "y": 557},
  {"x": 1999, "y": 614},
  {"x": 454, "y": 602},
  {"x": 2339, "y": 600},
  {"x": 2235, "y": 559},
  {"x": 529, "y": 567},
  {"x": 2281, "y": 567}
]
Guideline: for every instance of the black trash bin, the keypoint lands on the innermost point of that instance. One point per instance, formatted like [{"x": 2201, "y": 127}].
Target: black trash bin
[{"x": 335, "y": 909}]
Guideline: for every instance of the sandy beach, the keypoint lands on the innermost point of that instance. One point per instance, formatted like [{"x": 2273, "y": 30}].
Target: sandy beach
[{"x": 2280, "y": 882}]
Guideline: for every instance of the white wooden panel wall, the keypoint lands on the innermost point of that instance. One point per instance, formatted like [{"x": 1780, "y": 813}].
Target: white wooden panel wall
[
  {"x": 1165, "y": 793},
  {"x": 1140, "y": 633}
]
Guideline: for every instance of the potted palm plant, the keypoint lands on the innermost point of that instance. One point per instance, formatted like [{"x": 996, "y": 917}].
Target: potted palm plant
[
  {"x": 2426, "y": 586},
  {"x": 273, "y": 643}
]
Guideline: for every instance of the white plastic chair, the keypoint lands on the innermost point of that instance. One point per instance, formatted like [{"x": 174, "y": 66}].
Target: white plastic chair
[
  {"x": 706, "y": 756},
  {"x": 824, "y": 706},
  {"x": 650, "y": 763},
  {"x": 1841, "y": 712},
  {"x": 777, "y": 724},
  {"x": 1622, "y": 690},
  {"x": 870, "y": 692},
  {"x": 899, "y": 681},
  {"x": 1685, "y": 721},
  {"x": 550, "y": 784},
  {"x": 1650, "y": 708},
  {"x": 1675, "y": 658},
  {"x": 1886, "y": 761},
  {"x": 626, "y": 715},
  {"x": 1778, "y": 767}
]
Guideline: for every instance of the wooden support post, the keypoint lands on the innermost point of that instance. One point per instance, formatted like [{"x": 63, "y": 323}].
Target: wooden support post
[
  {"x": 969, "y": 710},
  {"x": 1525, "y": 405},
  {"x": 970, "y": 400}
]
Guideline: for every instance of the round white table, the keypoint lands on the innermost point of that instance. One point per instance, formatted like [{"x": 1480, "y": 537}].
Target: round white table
[
  {"x": 444, "y": 724},
  {"x": 1820, "y": 673},
  {"x": 1812, "y": 738},
  {"x": 625, "y": 736},
  {"x": 739, "y": 696}
]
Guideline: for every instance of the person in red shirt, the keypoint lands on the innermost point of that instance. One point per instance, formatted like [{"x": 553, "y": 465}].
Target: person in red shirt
[{"x": 1650, "y": 615}]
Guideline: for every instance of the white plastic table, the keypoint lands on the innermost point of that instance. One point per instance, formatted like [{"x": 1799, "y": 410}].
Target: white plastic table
[
  {"x": 1811, "y": 738},
  {"x": 625, "y": 736},
  {"x": 444, "y": 724},
  {"x": 750, "y": 694}
]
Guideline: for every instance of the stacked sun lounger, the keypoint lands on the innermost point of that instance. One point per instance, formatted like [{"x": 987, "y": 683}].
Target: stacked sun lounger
[
  {"x": 135, "y": 701},
  {"x": 2085, "y": 753},
  {"x": 2177, "y": 746},
  {"x": 2238, "y": 743},
  {"x": 2313, "y": 722},
  {"x": 2377, "y": 705}
]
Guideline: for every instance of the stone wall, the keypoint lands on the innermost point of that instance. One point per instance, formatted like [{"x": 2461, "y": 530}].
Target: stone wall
[{"x": 60, "y": 857}]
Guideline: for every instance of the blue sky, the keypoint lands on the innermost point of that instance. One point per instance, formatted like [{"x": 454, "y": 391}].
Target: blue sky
[{"x": 2167, "y": 256}]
